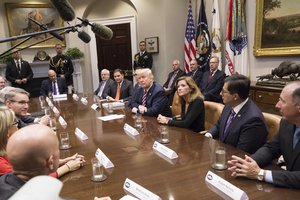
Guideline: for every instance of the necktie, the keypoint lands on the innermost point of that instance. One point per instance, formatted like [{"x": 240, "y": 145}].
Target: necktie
[
  {"x": 18, "y": 66},
  {"x": 144, "y": 99},
  {"x": 118, "y": 92},
  {"x": 229, "y": 120},
  {"x": 210, "y": 76},
  {"x": 54, "y": 88},
  {"x": 172, "y": 80},
  {"x": 101, "y": 88},
  {"x": 296, "y": 137}
]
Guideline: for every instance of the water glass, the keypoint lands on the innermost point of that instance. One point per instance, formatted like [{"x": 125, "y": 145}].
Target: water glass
[
  {"x": 43, "y": 104},
  {"x": 47, "y": 111},
  {"x": 164, "y": 135},
  {"x": 219, "y": 158},
  {"x": 97, "y": 167},
  {"x": 42, "y": 98},
  {"x": 110, "y": 107},
  {"x": 64, "y": 140},
  {"x": 138, "y": 121},
  {"x": 52, "y": 124}
]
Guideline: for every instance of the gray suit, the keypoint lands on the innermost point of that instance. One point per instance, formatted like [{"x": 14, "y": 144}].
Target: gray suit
[{"x": 108, "y": 82}]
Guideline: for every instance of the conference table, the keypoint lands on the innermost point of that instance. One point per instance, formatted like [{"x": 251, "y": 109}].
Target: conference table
[{"x": 134, "y": 158}]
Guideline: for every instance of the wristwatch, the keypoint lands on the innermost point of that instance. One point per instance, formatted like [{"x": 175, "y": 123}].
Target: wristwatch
[{"x": 261, "y": 175}]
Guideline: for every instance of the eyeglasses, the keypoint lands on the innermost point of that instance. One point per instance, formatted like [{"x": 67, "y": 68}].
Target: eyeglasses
[{"x": 21, "y": 102}]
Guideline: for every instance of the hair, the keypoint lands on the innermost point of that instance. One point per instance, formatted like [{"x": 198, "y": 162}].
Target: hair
[
  {"x": 7, "y": 117},
  {"x": 12, "y": 93},
  {"x": 192, "y": 85},
  {"x": 148, "y": 72},
  {"x": 239, "y": 84},
  {"x": 119, "y": 70},
  {"x": 177, "y": 61},
  {"x": 3, "y": 77},
  {"x": 105, "y": 70},
  {"x": 296, "y": 91},
  {"x": 58, "y": 45},
  {"x": 143, "y": 42},
  {"x": 216, "y": 57}
]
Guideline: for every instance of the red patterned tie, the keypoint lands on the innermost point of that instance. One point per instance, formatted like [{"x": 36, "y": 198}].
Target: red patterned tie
[{"x": 144, "y": 99}]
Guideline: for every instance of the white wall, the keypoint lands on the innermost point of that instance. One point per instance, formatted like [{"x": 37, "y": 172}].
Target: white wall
[{"x": 163, "y": 18}]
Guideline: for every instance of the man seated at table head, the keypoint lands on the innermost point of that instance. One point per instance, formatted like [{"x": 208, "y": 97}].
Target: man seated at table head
[
  {"x": 150, "y": 98},
  {"x": 119, "y": 90},
  {"x": 285, "y": 143},
  {"x": 2, "y": 82},
  {"x": 32, "y": 151},
  {"x": 104, "y": 83},
  {"x": 18, "y": 101},
  {"x": 241, "y": 123},
  {"x": 54, "y": 85}
]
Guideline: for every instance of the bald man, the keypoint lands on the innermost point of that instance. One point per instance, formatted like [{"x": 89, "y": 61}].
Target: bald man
[
  {"x": 32, "y": 151},
  {"x": 54, "y": 85}
]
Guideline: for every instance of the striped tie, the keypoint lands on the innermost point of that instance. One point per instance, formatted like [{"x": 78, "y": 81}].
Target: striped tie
[{"x": 144, "y": 99}]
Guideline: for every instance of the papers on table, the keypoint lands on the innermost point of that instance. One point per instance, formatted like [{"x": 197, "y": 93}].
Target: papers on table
[
  {"x": 103, "y": 159},
  {"x": 111, "y": 117},
  {"x": 115, "y": 105},
  {"x": 223, "y": 187},
  {"x": 139, "y": 191}
]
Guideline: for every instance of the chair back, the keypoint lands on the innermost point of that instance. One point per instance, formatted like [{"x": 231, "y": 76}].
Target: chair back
[
  {"x": 176, "y": 105},
  {"x": 272, "y": 122},
  {"x": 213, "y": 111}
]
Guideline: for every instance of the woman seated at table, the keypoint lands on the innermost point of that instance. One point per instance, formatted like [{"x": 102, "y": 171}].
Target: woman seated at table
[
  {"x": 8, "y": 126},
  {"x": 192, "y": 106}
]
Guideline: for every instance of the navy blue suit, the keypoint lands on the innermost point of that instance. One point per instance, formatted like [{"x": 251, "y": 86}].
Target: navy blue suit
[
  {"x": 211, "y": 89},
  {"x": 197, "y": 76},
  {"x": 170, "y": 93},
  {"x": 247, "y": 130},
  {"x": 126, "y": 90},
  {"x": 157, "y": 102},
  {"x": 46, "y": 86}
]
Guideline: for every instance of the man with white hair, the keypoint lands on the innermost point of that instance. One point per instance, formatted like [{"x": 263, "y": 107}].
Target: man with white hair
[
  {"x": 2, "y": 82},
  {"x": 104, "y": 83}
]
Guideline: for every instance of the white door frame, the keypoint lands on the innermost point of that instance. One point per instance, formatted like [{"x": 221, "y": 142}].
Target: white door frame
[{"x": 93, "y": 48}]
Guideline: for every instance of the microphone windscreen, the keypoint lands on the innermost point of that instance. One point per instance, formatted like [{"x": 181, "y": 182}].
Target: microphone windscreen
[
  {"x": 85, "y": 37},
  {"x": 102, "y": 31},
  {"x": 64, "y": 9}
]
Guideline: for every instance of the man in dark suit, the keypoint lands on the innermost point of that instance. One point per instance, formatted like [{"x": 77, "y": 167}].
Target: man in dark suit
[
  {"x": 142, "y": 59},
  {"x": 54, "y": 85},
  {"x": 241, "y": 123},
  {"x": 169, "y": 85},
  {"x": 63, "y": 66},
  {"x": 196, "y": 73},
  {"x": 17, "y": 100},
  {"x": 285, "y": 142},
  {"x": 104, "y": 83},
  {"x": 18, "y": 71},
  {"x": 212, "y": 82},
  {"x": 149, "y": 98},
  {"x": 121, "y": 89}
]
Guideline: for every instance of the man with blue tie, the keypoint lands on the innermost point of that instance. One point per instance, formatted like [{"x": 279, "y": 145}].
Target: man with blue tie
[
  {"x": 285, "y": 142},
  {"x": 54, "y": 85},
  {"x": 241, "y": 123}
]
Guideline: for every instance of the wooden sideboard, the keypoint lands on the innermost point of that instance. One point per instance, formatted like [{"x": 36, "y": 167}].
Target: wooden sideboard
[{"x": 265, "y": 97}]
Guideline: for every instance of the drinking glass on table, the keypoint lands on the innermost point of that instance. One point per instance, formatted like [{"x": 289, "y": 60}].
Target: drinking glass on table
[{"x": 97, "y": 167}]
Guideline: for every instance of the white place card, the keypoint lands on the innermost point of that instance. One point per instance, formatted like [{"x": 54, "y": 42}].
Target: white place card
[
  {"x": 62, "y": 122},
  {"x": 111, "y": 117},
  {"x": 47, "y": 100},
  {"x": 60, "y": 97},
  {"x": 225, "y": 187},
  {"x": 129, "y": 129},
  {"x": 55, "y": 110},
  {"x": 84, "y": 101},
  {"x": 128, "y": 197},
  {"x": 164, "y": 150},
  {"x": 139, "y": 191},
  {"x": 50, "y": 104},
  {"x": 81, "y": 134},
  {"x": 94, "y": 107},
  {"x": 103, "y": 159},
  {"x": 75, "y": 97}
]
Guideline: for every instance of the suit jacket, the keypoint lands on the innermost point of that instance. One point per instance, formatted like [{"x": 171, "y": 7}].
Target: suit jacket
[
  {"x": 9, "y": 184},
  {"x": 170, "y": 93},
  {"x": 197, "y": 76},
  {"x": 211, "y": 90},
  {"x": 247, "y": 130},
  {"x": 143, "y": 61},
  {"x": 193, "y": 118},
  {"x": 282, "y": 144},
  {"x": 108, "y": 82},
  {"x": 25, "y": 121},
  {"x": 126, "y": 90},
  {"x": 46, "y": 86},
  {"x": 12, "y": 73},
  {"x": 63, "y": 65},
  {"x": 157, "y": 102}
]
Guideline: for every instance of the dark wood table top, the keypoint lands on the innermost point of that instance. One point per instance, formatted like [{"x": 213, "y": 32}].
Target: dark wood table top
[{"x": 181, "y": 178}]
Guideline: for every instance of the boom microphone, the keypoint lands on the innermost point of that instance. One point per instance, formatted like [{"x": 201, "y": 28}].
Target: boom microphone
[
  {"x": 64, "y": 9},
  {"x": 100, "y": 30},
  {"x": 44, "y": 27},
  {"x": 85, "y": 37}
]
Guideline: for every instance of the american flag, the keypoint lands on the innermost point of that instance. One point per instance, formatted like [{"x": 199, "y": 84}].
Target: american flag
[{"x": 189, "y": 41}]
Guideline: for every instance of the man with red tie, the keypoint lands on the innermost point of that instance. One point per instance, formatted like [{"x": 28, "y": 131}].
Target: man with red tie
[
  {"x": 54, "y": 85},
  {"x": 212, "y": 81}
]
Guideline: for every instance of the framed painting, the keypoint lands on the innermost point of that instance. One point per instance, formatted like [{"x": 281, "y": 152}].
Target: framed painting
[
  {"x": 152, "y": 45},
  {"x": 277, "y": 28},
  {"x": 19, "y": 23}
]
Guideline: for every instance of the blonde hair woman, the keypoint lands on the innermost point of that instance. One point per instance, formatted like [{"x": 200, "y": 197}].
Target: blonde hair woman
[{"x": 192, "y": 106}]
